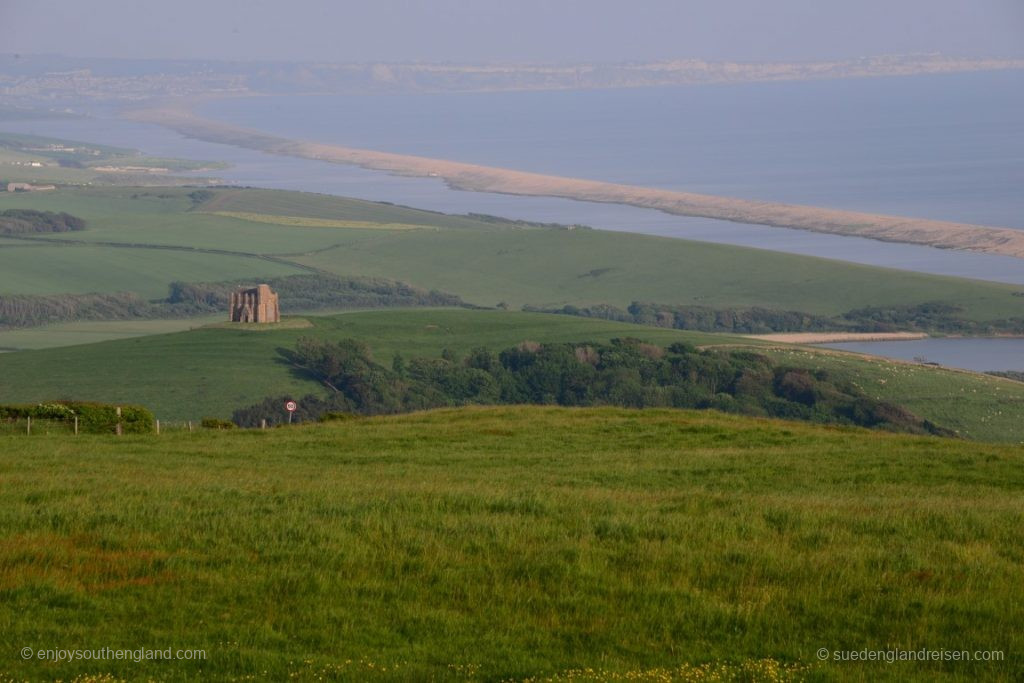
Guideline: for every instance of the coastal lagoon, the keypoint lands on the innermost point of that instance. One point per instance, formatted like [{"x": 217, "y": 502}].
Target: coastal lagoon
[
  {"x": 258, "y": 169},
  {"x": 978, "y": 354},
  {"x": 947, "y": 147}
]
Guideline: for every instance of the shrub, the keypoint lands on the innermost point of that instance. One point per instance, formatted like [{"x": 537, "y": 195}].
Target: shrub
[
  {"x": 216, "y": 423},
  {"x": 27, "y": 221},
  {"x": 337, "y": 416},
  {"x": 93, "y": 418}
]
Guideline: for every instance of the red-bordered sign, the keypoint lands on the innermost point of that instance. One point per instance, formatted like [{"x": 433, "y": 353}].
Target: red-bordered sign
[{"x": 290, "y": 406}]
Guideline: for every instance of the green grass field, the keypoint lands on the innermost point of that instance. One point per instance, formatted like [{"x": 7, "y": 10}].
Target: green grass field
[
  {"x": 88, "y": 332},
  {"x": 147, "y": 272},
  {"x": 976, "y": 406},
  {"x": 513, "y": 543},
  {"x": 484, "y": 262},
  {"x": 213, "y": 370}
]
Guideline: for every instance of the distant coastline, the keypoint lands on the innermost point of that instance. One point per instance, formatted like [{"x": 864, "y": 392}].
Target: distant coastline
[{"x": 473, "y": 177}]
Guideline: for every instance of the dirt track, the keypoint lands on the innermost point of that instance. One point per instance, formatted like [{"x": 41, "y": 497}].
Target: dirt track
[{"x": 463, "y": 176}]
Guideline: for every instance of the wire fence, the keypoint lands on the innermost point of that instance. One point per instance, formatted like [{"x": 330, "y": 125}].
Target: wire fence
[{"x": 25, "y": 426}]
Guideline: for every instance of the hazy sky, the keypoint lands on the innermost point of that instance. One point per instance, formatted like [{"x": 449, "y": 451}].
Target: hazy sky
[{"x": 511, "y": 30}]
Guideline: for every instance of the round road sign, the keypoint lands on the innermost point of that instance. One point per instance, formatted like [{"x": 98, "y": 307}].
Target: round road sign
[{"x": 290, "y": 406}]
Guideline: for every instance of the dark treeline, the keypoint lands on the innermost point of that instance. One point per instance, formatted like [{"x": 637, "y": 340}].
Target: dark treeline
[
  {"x": 506, "y": 222},
  {"x": 29, "y": 310},
  {"x": 1015, "y": 375},
  {"x": 626, "y": 372},
  {"x": 27, "y": 221},
  {"x": 296, "y": 292},
  {"x": 311, "y": 292},
  {"x": 926, "y": 317}
]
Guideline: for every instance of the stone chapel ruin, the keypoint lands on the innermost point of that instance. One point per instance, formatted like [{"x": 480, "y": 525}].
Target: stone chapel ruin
[{"x": 255, "y": 305}]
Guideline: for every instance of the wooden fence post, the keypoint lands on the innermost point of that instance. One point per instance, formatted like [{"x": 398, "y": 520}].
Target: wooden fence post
[
  {"x": 263, "y": 423},
  {"x": 158, "y": 427},
  {"x": 28, "y": 425},
  {"x": 76, "y": 425},
  {"x": 190, "y": 426},
  {"x": 118, "y": 431}
]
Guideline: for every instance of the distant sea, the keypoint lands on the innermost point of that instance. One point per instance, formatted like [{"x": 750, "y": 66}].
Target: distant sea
[{"x": 949, "y": 147}]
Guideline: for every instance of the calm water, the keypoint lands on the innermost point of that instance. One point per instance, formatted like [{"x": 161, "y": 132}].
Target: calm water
[
  {"x": 949, "y": 147},
  {"x": 970, "y": 354},
  {"x": 263, "y": 170}
]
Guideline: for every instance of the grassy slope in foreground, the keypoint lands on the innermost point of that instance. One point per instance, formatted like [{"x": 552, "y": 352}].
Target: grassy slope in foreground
[
  {"x": 212, "y": 371},
  {"x": 485, "y": 263},
  {"x": 488, "y": 544}
]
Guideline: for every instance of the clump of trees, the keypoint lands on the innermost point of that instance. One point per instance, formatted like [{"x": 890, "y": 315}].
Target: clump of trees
[
  {"x": 198, "y": 197},
  {"x": 1015, "y": 375},
  {"x": 704, "y": 318},
  {"x": 625, "y": 372},
  {"x": 29, "y": 310},
  {"x": 505, "y": 222},
  {"x": 925, "y": 317},
  {"x": 28, "y": 221}
]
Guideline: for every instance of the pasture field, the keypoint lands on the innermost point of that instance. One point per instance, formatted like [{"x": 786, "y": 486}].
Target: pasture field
[
  {"x": 88, "y": 332},
  {"x": 976, "y": 406},
  {"x": 80, "y": 269},
  {"x": 304, "y": 222},
  {"x": 511, "y": 544},
  {"x": 215, "y": 369},
  {"x": 487, "y": 262}
]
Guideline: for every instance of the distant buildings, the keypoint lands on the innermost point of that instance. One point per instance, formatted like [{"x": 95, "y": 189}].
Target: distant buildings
[{"x": 28, "y": 187}]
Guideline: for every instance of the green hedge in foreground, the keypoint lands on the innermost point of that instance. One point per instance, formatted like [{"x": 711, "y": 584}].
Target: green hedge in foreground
[{"x": 93, "y": 418}]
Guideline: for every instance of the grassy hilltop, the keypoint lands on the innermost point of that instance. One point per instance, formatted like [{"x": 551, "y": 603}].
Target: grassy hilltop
[{"x": 494, "y": 544}]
